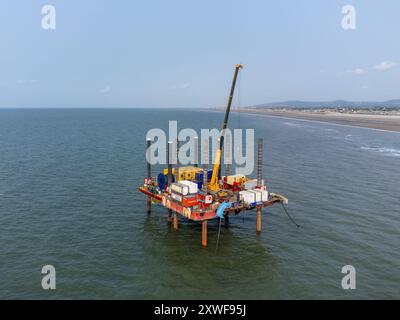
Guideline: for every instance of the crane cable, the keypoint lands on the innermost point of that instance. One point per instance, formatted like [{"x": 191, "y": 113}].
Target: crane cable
[
  {"x": 239, "y": 97},
  {"x": 239, "y": 125},
  {"x": 219, "y": 231},
  {"x": 239, "y": 110},
  {"x": 290, "y": 218}
]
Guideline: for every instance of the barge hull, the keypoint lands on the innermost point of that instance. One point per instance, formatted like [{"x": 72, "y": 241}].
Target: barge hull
[{"x": 194, "y": 215}]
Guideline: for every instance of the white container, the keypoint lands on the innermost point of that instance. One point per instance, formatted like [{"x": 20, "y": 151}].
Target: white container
[
  {"x": 247, "y": 197},
  {"x": 176, "y": 197},
  {"x": 193, "y": 188},
  {"x": 257, "y": 195},
  {"x": 180, "y": 188},
  {"x": 264, "y": 195}
]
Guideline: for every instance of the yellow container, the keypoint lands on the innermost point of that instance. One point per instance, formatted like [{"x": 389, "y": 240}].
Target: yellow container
[
  {"x": 190, "y": 172},
  {"x": 189, "y": 175},
  {"x": 185, "y": 173}
]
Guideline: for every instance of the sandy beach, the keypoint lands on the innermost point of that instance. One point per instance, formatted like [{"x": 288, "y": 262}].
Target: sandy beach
[{"x": 390, "y": 122}]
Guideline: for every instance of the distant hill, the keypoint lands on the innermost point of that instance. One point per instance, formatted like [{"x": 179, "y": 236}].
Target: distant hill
[{"x": 331, "y": 104}]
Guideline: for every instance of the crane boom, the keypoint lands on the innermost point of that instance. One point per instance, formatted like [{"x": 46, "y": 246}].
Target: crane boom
[{"x": 216, "y": 169}]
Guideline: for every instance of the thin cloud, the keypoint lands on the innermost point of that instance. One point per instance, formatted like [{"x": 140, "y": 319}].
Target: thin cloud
[
  {"x": 357, "y": 71},
  {"x": 26, "y": 81},
  {"x": 381, "y": 67},
  {"x": 385, "y": 66},
  {"x": 181, "y": 86},
  {"x": 105, "y": 90}
]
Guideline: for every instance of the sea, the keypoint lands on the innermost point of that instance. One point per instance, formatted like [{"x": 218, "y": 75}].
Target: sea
[{"x": 69, "y": 199}]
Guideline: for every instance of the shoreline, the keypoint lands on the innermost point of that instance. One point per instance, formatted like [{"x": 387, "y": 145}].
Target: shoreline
[{"x": 372, "y": 121}]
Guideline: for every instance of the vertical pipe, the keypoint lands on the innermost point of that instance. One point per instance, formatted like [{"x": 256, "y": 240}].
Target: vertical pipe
[
  {"x": 204, "y": 234},
  {"x": 196, "y": 151},
  {"x": 148, "y": 205},
  {"x": 177, "y": 161},
  {"x": 260, "y": 154},
  {"x": 170, "y": 150},
  {"x": 170, "y": 146},
  {"x": 258, "y": 226},
  {"x": 148, "y": 142},
  {"x": 205, "y": 180},
  {"x": 205, "y": 149},
  {"x": 148, "y": 173},
  {"x": 169, "y": 216},
  {"x": 175, "y": 221}
]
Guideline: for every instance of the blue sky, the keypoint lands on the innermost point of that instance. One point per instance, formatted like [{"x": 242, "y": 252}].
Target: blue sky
[{"x": 182, "y": 53}]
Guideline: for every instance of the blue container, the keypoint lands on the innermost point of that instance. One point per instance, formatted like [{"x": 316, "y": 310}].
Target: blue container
[{"x": 199, "y": 175}]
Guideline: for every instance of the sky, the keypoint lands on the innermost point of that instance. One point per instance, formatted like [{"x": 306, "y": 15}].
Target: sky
[{"x": 173, "y": 53}]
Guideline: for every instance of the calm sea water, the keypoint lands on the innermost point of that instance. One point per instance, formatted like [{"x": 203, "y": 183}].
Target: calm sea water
[{"x": 68, "y": 198}]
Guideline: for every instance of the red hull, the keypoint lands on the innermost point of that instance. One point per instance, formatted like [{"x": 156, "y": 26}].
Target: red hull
[{"x": 189, "y": 213}]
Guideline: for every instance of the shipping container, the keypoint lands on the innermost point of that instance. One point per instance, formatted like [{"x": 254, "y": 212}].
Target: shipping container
[
  {"x": 186, "y": 201},
  {"x": 247, "y": 197},
  {"x": 257, "y": 195},
  {"x": 237, "y": 178},
  {"x": 185, "y": 173},
  {"x": 176, "y": 197},
  {"x": 265, "y": 195},
  {"x": 200, "y": 175},
  {"x": 193, "y": 188},
  {"x": 180, "y": 188},
  {"x": 190, "y": 201}
]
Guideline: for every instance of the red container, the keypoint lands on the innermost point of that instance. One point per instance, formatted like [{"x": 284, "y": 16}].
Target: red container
[{"x": 190, "y": 201}]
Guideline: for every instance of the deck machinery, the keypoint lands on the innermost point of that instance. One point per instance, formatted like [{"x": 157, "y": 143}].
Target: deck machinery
[{"x": 201, "y": 194}]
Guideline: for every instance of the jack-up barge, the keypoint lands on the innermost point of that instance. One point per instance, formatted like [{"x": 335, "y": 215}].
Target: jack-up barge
[{"x": 200, "y": 194}]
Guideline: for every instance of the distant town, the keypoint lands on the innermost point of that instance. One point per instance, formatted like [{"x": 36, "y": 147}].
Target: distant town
[
  {"x": 340, "y": 106},
  {"x": 390, "y": 107},
  {"x": 344, "y": 110}
]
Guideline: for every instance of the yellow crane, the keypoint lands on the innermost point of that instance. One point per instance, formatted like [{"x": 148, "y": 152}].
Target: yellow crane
[{"x": 214, "y": 185}]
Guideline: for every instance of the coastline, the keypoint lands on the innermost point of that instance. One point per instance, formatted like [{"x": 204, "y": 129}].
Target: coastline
[{"x": 373, "y": 121}]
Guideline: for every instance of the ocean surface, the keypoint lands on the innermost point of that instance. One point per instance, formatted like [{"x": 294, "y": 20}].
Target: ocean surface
[{"x": 68, "y": 198}]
